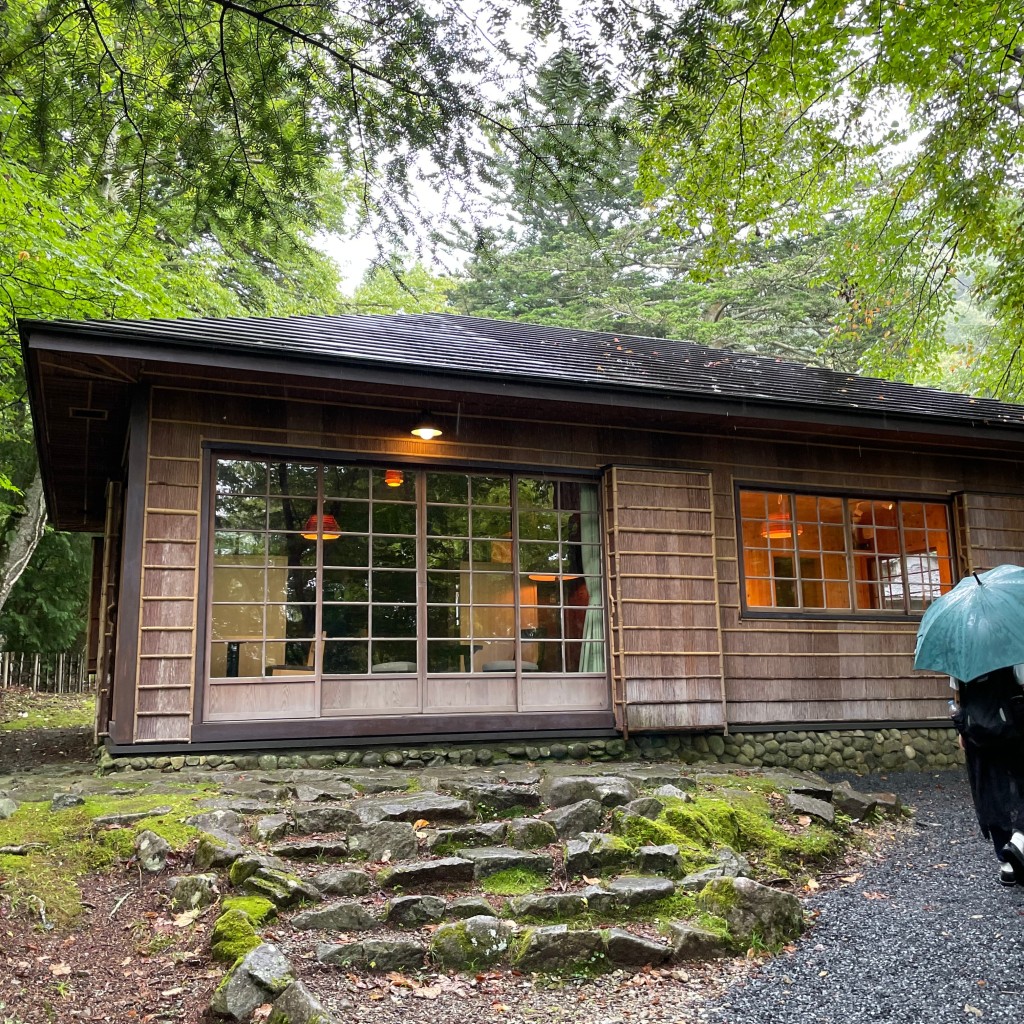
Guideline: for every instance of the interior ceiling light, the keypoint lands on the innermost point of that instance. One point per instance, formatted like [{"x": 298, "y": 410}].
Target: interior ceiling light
[
  {"x": 550, "y": 577},
  {"x": 331, "y": 530},
  {"x": 426, "y": 427},
  {"x": 779, "y": 526},
  {"x": 394, "y": 477}
]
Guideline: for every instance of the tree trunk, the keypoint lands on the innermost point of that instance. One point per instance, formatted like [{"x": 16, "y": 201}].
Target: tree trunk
[{"x": 26, "y": 535}]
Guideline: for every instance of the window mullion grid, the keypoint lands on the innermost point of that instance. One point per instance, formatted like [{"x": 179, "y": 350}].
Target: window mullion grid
[
  {"x": 903, "y": 556},
  {"x": 798, "y": 576},
  {"x": 318, "y": 615},
  {"x": 421, "y": 586},
  {"x": 851, "y": 561},
  {"x": 517, "y": 638}
]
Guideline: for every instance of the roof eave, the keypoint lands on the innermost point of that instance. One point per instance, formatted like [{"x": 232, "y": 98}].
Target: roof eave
[{"x": 104, "y": 338}]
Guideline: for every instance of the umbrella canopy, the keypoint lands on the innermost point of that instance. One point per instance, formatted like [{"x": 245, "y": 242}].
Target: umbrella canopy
[{"x": 975, "y": 628}]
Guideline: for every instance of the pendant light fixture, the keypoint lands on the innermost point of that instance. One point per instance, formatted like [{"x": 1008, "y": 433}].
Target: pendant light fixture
[
  {"x": 331, "y": 530},
  {"x": 426, "y": 427},
  {"x": 779, "y": 527},
  {"x": 394, "y": 477}
]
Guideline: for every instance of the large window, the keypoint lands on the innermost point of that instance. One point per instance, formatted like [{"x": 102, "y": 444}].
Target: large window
[
  {"x": 843, "y": 554},
  {"x": 344, "y": 570}
]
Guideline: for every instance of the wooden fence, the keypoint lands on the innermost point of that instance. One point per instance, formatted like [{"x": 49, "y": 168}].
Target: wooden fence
[{"x": 66, "y": 672}]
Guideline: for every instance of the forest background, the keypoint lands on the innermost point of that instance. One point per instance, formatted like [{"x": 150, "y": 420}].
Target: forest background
[{"x": 833, "y": 183}]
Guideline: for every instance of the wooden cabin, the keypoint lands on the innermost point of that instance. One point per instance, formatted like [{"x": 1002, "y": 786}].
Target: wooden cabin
[{"x": 609, "y": 534}]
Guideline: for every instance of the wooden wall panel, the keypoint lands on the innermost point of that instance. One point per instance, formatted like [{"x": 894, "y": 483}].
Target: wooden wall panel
[
  {"x": 991, "y": 528},
  {"x": 459, "y": 693},
  {"x": 159, "y": 700},
  {"x": 167, "y": 613},
  {"x": 370, "y": 696},
  {"x": 170, "y": 553},
  {"x": 648, "y": 513},
  {"x": 674, "y": 588},
  {"x": 177, "y": 581},
  {"x": 164, "y": 671},
  {"x": 233, "y": 702},
  {"x": 785, "y": 712},
  {"x": 173, "y": 643},
  {"x": 177, "y": 472},
  {"x": 547, "y": 694},
  {"x": 160, "y": 728},
  {"x": 688, "y": 716}
]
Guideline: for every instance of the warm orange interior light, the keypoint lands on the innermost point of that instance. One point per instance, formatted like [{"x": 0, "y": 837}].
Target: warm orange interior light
[
  {"x": 547, "y": 577},
  {"x": 331, "y": 530},
  {"x": 779, "y": 526},
  {"x": 394, "y": 477}
]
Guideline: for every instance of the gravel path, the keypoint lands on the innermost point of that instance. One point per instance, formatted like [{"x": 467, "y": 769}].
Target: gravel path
[{"x": 926, "y": 935}]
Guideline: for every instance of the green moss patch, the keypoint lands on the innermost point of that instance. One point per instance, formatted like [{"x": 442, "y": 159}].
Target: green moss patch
[
  {"x": 257, "y": 908},
  {"x": 514, "y": 882},
  {"x": 234, "y": 935},
  {"x": 740, "y": 816},
  {"x": 64, "y": 846},
  {"x": 23, "y": 709}
]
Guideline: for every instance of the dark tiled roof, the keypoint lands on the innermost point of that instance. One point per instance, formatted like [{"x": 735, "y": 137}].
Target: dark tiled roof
[{"x": 558, "y": 357}]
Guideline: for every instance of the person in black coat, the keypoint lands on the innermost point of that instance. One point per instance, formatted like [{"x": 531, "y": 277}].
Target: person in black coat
[{"x": 989, "y": 717}]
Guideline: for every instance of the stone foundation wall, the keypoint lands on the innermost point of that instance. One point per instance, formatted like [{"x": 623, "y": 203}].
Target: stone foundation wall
[{"x": 858, "y": 750}]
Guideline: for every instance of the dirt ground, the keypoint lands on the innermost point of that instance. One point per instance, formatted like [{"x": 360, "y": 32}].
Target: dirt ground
[{"x": 125, "y": 962}]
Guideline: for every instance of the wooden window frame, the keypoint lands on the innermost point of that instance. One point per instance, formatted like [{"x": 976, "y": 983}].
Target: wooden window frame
[
  {"x": 418, "y": 469},
  {"x": 852, "y": 612}
]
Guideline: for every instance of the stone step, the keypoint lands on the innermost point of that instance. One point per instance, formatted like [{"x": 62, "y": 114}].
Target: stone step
[
  {"x": 607, "y": 790},
  {"x": 313, "y": 819},
  {"x": 487, "y": 834},
  {"x": 593, "y": 852},
  {"x": 489, "y": 860},
  {"x": 311, "y": 849},
  {"x": 391, "y": 954},
  {"x": 415, "y": 911},
  {"x": 431, "y": 807},
  {"x": 445, "y": 871},
  {"x": 492, "y": 797},
  {"x": 342, "y": 916}
]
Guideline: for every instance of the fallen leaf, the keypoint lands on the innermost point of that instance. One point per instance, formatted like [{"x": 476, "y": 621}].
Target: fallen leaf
[
  {"x": 59, "y": 970},
  {"x": 875, "y": 896},
  {"x": 427, "y": 992},
  {"x": 401, "y": 981},
  {"x": 420, "y": 823},
  {"x": 185, "y": 919},
  {"x": 591, "y": 881},
  {"x": 812, "y": 885},
  {"x": 851, "y": 878},
  {"x": 972, "y": 1009},
  {"x": 804, "y": 819},
  {"x": 168, "y": 992}
]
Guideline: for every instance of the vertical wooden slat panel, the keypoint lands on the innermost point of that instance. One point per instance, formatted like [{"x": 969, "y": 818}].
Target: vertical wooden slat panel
[
  {"x": 667, "y": 641},
  {"x": 990, "y": 529}
]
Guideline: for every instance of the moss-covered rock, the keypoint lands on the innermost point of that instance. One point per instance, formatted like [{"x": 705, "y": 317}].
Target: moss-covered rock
[
  {"x": 233, "y": 935},
  {"x": 753, "y": 912},
  {"x": 475, "y": 942},
  {"x": 258, "y": 909}
]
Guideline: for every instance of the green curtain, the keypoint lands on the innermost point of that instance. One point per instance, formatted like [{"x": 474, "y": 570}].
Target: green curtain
[{"x": 592, "y": 648}]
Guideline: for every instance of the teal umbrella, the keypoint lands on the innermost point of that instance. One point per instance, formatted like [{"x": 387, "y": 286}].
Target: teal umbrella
[{"x": 975, "y": 628}]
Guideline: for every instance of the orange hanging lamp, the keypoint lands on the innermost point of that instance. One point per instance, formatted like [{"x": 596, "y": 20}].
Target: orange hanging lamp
[{"x": 329, "y": 529}]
